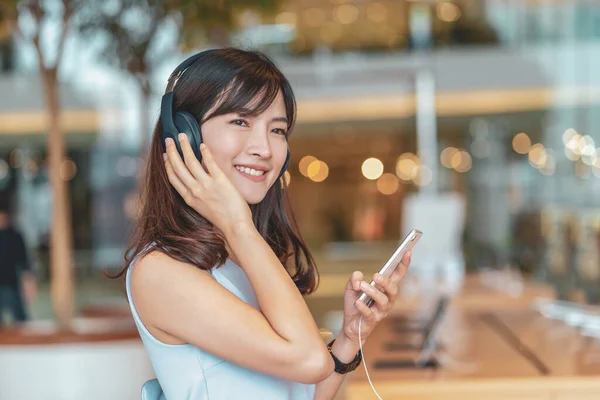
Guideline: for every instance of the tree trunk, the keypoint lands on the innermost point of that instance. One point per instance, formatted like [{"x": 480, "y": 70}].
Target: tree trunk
[{"x": 61, "y": 236}]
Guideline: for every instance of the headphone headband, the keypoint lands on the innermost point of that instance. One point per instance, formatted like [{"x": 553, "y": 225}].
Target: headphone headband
[{"x": 180, "y": 69}]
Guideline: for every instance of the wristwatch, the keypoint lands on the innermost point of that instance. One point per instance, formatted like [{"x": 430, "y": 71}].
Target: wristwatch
[{"x": 343, "y": 368}]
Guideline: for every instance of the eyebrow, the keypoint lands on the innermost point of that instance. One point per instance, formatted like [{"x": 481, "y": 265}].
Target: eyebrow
[{"x": 280, "y": 119}]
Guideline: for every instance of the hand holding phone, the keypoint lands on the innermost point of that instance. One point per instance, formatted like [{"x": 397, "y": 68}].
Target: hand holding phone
[{"x": 390, "y": 266}]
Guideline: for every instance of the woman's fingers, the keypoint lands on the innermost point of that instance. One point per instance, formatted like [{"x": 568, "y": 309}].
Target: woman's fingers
[
  {"x": 192, "y": 163},
  {"x": 178, "y": 166},
  {"x": 355, "y": 280},
  {"x": 387, "y": 284},
  {"x": 402, "y": 268},
  {"x": 380, "y": 298},
  {"x": 370, "y": 314},
  {"x": 366, "y": 311}
]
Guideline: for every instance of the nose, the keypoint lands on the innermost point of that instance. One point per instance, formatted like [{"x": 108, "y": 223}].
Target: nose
[{"x": 258, "y": 143}]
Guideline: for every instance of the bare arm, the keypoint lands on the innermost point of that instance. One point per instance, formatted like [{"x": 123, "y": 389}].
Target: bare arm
[
  {"x": 345, "y": 350},
  {"x": 280, "y": 300}
]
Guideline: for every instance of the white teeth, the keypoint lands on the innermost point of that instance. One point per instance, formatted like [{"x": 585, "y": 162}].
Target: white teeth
[{"x": 250, "y": 171}]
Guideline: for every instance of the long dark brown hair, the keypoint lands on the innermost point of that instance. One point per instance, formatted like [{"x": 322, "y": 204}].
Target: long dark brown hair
[{"x": 234, "y": 80}]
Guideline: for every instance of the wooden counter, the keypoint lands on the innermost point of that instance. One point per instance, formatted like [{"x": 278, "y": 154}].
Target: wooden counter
[{"x": 486, "y": 348}]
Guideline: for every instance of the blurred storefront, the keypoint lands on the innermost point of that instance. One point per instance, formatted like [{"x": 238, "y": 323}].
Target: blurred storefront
[{"x": 511, "y": 112}]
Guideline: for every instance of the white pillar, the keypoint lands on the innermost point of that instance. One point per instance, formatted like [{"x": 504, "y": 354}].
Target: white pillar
[{"x": 427, "y": 125}]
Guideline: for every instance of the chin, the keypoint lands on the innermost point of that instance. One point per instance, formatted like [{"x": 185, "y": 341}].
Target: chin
[
  {"x": 253, "y": 198},
  {"x": 253, "y": 193}
]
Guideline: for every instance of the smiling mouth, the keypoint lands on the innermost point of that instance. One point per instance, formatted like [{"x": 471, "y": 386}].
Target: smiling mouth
[{"x": 250, "y": 171}]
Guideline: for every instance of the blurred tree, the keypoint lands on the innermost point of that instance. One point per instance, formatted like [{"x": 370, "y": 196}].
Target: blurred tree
[
  {"x": 132, "y": 31},
  {"x": 29, "y": 19}
]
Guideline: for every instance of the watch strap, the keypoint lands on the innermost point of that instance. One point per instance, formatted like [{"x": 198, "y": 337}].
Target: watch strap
[{"x": 344, "y": 368}]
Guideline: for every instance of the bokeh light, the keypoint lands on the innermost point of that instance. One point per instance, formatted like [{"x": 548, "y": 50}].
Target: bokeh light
[
  {"x": 388, "y": 184},
  {"x": 538, "y": 155},
  {"x": 318, "y": 171},
  {"x": 446, "y": 156},
  {"x": 372, "y": 168},
  {"x": 521, "y": 143},
  {"x": 304, "y": 163},
  {"x": 68, "y": 170},
  {"x": 407, "y": 166},
  {"x": 448, "y": 12},
  {"x": 346, "y": 13},
  {"x": 461, "y": 161}
]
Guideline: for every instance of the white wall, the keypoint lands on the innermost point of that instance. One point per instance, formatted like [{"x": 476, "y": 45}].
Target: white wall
[{"x": 91, "y": 371}]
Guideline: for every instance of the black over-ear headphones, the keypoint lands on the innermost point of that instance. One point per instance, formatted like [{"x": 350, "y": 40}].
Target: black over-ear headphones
[{"x": 174, "y": 123}]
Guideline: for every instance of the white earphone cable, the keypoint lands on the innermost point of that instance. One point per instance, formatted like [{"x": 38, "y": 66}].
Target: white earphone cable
[{"x": 363, "y": 358}]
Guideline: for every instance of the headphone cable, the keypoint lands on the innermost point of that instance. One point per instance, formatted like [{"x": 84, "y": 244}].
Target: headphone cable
[{"x": 363, "y": 358}]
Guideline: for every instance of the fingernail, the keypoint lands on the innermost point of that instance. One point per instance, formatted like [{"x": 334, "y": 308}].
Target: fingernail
[
  {"x": 165, "y": 156},
  {"x": 202, "y": 146},
  {"x": 378, "y": 277},
  {"x": 169, "y": 142},
  {"x": 364, "y": 285},
  {"x": 181, "y": 137}
]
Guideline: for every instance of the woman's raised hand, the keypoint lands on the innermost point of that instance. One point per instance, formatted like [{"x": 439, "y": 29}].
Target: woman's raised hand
[{"x": 209, "y": 192}]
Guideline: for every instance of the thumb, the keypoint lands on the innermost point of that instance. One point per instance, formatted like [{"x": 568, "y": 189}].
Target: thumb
[{"x": 355, "y": 280}]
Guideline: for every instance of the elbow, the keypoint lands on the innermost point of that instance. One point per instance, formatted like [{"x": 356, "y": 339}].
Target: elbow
[{"x": 316, "y": 368}]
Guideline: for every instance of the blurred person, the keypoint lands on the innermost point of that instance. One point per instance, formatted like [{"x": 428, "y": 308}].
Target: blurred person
[
  {"x": 216, "y": 270},
  {"x": 17, "y": 281}
]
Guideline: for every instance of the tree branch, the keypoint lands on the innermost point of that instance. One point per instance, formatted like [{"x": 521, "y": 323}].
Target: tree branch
[
  {"x": 38, "y": 13},
  {"x": 63, "y": 34}
]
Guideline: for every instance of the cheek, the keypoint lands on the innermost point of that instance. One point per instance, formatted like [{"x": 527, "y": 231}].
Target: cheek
[{"x": 222, "y": 145}]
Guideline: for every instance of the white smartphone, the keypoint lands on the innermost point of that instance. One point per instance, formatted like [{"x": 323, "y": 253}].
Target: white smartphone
[{"x": 390, "y": 266}]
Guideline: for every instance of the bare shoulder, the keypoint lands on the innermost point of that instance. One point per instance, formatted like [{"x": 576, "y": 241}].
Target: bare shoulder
[
  {"x": 156, "y": 269},
  {"x": 157, "y": 282}
]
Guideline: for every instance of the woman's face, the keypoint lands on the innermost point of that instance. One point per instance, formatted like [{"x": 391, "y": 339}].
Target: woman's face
[{"x": 250, "y": 150}]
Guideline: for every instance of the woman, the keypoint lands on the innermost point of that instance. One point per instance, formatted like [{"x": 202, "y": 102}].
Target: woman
[{"x": 216, "y": 272}]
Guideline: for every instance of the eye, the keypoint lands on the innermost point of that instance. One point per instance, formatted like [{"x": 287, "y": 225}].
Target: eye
[
  {"x": 280, "y": 131},
  {"x": 240, "y": 122}
]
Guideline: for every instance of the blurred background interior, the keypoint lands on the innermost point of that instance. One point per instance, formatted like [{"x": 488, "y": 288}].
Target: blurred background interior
[{"x": 474, "y": 121}]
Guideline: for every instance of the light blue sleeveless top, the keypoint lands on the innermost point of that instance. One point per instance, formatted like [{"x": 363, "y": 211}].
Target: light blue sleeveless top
[{"x": 186, "y": 372}]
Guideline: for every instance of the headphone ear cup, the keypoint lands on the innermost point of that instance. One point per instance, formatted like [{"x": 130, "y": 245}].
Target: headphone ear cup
[{"x": 186, "y": 123}]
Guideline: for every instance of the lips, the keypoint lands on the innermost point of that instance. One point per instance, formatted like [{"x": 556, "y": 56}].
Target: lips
[{"x": 255, "y": 173}]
